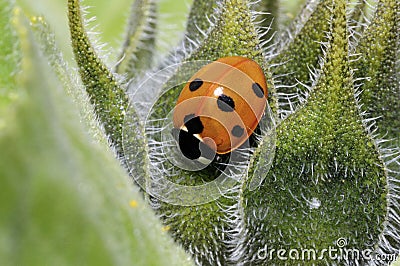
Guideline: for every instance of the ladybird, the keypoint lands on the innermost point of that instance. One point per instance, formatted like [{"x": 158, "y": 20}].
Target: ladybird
[{"x": 219, "y": 107}]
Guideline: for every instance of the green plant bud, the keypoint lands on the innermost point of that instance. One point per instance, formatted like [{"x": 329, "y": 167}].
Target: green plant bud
[{"x": 327, "y": 186}]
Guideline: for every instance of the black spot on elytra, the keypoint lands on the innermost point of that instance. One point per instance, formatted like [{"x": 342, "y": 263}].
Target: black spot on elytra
[
  {"x": 191, "y": 147},
  {"x": 258, "y": 91},
  {"x": 237, "y": 131},
  {"x": 193, "y": 124},
  {"x": 195, "y": 84},
  {"x": 226, "y": 103}
]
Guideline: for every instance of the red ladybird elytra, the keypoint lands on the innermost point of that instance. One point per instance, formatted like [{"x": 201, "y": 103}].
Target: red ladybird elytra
[{"x": 220, "y": 107}]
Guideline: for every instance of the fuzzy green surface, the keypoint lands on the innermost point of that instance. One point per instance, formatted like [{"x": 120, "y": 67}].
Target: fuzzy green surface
[
  {"x": 299, "y": 54},
  {"x": 327, "y": 180},
  {"x": 357, "y": 13},
  {"x": 108, "y": 98},
  {"x": 110, "y": 20},
  {"x": 65, "y": 200},
  {"x": 68, "y": 77},
  {"x": 380, "y": 92},
  {"x": 139, "y": 46},
  {"x": 9, "y": 60},
  {"x": 199, "y": 19},
  {"x": 269, "y": 17}
]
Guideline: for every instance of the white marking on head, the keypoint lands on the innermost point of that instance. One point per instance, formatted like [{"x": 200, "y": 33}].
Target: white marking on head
[{"x": 198, "y": 137}]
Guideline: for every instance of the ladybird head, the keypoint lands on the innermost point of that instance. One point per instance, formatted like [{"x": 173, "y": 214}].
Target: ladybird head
[
  {"x": 193, "y": 147},
  {"x": 191, "y": 144}
]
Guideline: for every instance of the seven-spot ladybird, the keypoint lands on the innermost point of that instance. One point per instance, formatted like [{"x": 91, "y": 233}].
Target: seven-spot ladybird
[{"x": 219, "y": 107}]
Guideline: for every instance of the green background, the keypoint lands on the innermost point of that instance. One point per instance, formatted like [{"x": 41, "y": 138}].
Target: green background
[{"x": 111, "y": 17}]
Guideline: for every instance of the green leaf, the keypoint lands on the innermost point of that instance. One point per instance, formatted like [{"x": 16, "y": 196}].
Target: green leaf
[
  {"x": 198, "y": 23},
  {"x": 268, "y": 19},
  {"x": 9, "y": 60},
  {"x": 327, "y": 181},
  {"x": 108, "y": 98},
  {"x": 65, "y": 200},
  {"x": 379, "y": 68},
  {"x": 138, "y": 48},
  {"x": 197, "y": 28},
  {"x": 71, "y": 83},
  {"x": 357, "y": 13}
]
